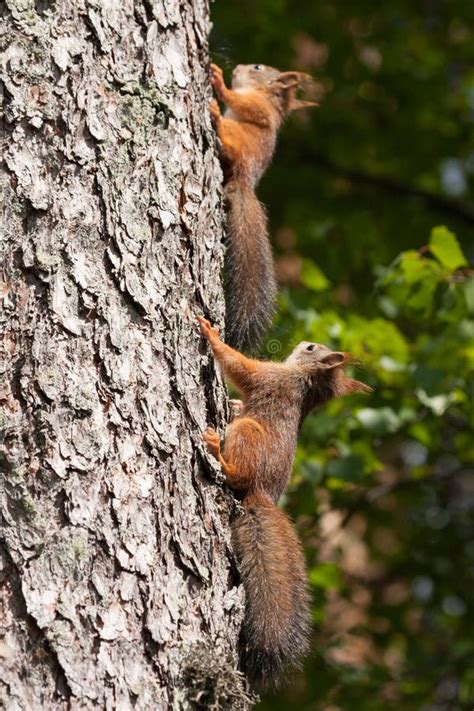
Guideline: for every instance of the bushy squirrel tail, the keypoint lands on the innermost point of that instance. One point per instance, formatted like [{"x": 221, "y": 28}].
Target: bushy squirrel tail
[
  {"x": 250, "y": 283},
  {"x": 275, "y": 633}
]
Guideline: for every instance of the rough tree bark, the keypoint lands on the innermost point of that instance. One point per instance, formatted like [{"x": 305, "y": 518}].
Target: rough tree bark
[{"x": 118, "y": 584}]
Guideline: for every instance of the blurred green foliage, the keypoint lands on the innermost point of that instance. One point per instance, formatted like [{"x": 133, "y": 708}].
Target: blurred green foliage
[{"x": 372, "y": 214}]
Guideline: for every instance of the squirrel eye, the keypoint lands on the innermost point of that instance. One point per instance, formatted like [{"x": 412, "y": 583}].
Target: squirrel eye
[
  {"x": 310, "y": 347},
  {"x": 258, "y": 67}
]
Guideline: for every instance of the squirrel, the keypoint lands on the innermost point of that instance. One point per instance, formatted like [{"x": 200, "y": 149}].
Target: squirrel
[
  {"x": 260, "y": 99},
  {"x": 257, "y": 459}
]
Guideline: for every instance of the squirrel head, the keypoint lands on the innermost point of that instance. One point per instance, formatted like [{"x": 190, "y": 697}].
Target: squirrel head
[
  {"x": 316, "y": 355},
  {"x": 282, "y": 85},
  {"x": 324, "y": 369}
]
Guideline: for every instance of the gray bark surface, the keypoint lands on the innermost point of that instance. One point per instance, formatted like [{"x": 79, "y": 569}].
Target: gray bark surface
[{"x": 118, "y": 586}]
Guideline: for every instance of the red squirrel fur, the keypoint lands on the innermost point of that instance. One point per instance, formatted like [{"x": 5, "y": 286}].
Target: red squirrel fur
[
  {"x": 260, "y": 99},
  {"x": 257, "y": 459}
]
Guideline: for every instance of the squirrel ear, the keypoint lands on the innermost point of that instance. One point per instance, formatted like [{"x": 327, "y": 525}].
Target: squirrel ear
[
  {"x": 356, "y": 386},
  {"x": 334, "y": 359},
  {"x": 289, "y": 83},
  {"x": 288, "y": 80},
  {"x": 296, "y": 104}
]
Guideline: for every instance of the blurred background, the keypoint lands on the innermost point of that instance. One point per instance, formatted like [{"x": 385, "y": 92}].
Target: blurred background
[{"x": 370, "y": 198}]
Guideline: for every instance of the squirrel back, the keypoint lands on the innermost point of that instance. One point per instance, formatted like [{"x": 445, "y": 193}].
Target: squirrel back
[
  {"x": 251, "y": 287},
  {"x": 276, "y": 629}
]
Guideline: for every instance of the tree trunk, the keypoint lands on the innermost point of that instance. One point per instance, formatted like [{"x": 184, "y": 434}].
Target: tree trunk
[{"x": 118, "y": 586}]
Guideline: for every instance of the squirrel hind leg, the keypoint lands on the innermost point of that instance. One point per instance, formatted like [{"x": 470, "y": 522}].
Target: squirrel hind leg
[
  {"x": 234, "y": 478},
  {"x": 211, "y": 438},
  {"x": 213, "y": 443}
]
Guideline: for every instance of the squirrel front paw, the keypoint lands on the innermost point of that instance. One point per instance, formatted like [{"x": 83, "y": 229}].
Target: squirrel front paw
[
  {"x": 213, "y": 443},
  {"x": 215, "y": 110},
  {"x": 217, "y": 79},
  {"x": 208, "y": 331}
]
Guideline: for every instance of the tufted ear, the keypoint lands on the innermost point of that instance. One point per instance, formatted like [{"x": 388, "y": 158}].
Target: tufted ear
[
  {"x": 355, "y": 386},
  {"x": 334, "y": 359},
  {"x": 288, "y": 84},
  {"x": 287, "y": 80},
  {"x": 296, "y": 104}
]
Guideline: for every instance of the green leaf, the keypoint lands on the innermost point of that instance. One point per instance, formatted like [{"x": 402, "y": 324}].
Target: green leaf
[
  {"x": 312, "y": 276},
  {"x": 445, "y": 247},
  {"x": 422, "y": 433},
  {"x": 412, "y": 266},
  {"x": 377, "y": 337},
  {"x": 326, "y": 576},
  {"x": 421, "y": 298}
]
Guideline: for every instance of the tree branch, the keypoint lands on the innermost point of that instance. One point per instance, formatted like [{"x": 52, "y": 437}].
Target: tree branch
[{"x": 456, "y": 208}]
